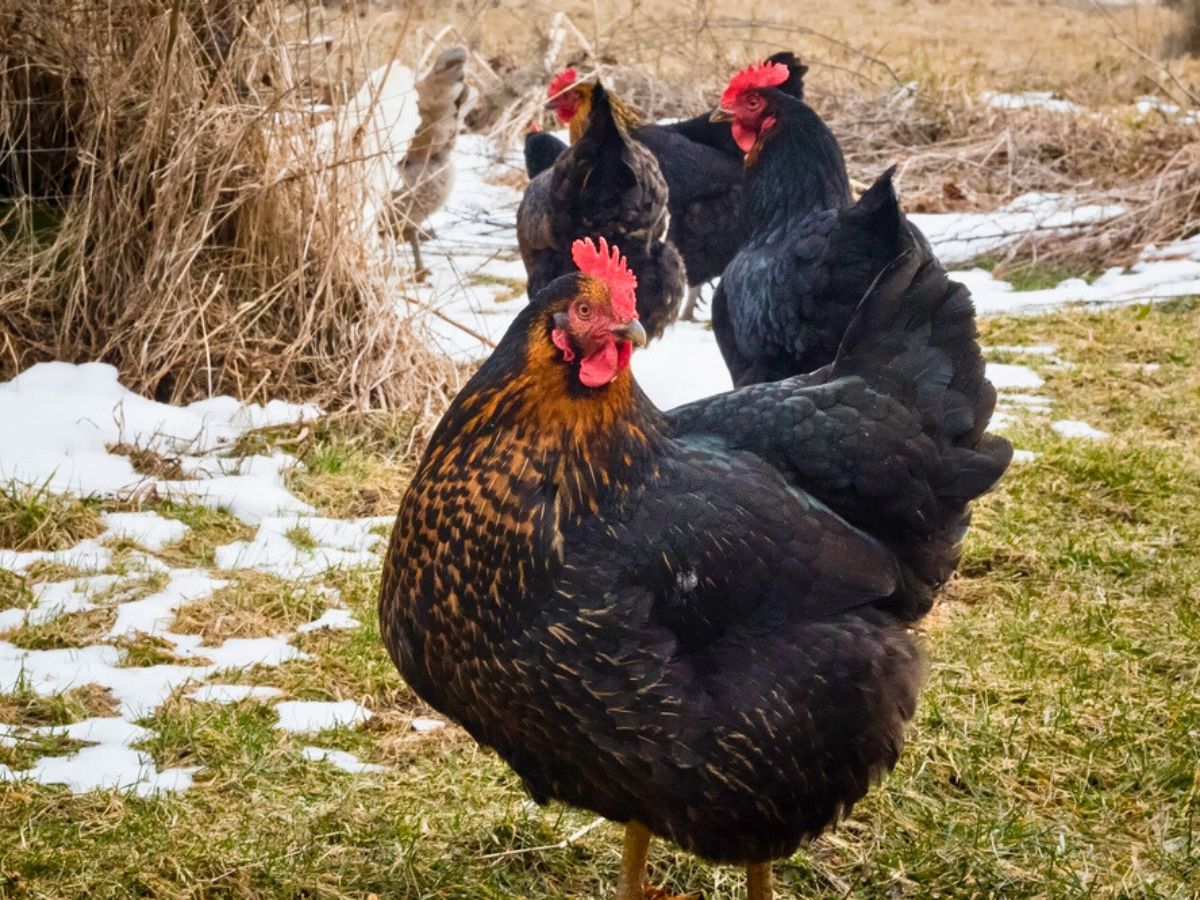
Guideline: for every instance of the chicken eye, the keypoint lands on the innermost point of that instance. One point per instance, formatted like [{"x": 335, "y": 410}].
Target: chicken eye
[
  {"x": 584, "y": 310},
  {"x": 753, "y": 102}
]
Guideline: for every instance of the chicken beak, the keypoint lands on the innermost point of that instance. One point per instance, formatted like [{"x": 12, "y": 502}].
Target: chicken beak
[
  {"x": 631, "y": 331},
  {"x": 721, "y": 115}
]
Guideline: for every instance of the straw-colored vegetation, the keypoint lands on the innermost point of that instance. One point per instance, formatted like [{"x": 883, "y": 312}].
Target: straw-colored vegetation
[{"x": 169, "y": 204}]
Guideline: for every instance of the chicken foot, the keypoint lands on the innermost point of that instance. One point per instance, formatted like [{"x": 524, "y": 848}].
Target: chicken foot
[
  {"x": 631, "y": 882},
  {"x": 633, "y": 862},
  {"x": 758, "y": 881},
  {"x": 414, "y": 241}
]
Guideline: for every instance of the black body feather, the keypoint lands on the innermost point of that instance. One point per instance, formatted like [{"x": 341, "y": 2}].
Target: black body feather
[{"x": 542, "y": 150}]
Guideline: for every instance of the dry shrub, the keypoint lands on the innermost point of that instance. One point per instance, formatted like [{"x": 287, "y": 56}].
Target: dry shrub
[{"x": 169, "y": 204}]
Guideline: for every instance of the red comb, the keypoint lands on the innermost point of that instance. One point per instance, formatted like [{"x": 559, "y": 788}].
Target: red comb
[
  {"x": 612, "y": 269},
  {"x": 561, "y": 82},
  {"x": 756, "y": 75}
]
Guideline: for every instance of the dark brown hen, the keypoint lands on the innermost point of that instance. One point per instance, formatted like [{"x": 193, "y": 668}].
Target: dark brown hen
[
  {"x": 606, "y": 185},
  {"x": 693, "y": 622}
]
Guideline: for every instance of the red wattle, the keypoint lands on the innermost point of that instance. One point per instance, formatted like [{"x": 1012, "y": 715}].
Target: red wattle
[
  {"x": 744, "y": 137},
  {"x": 601, "y": 367}
]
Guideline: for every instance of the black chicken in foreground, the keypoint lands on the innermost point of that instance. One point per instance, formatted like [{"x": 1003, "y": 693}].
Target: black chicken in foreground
[
  {"x": 693, "y": 622},
  {"x": 809, "y": 254},
  {"x": 606, "y": 185}
]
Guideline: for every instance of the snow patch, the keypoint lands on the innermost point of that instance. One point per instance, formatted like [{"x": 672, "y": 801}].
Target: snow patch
[
  {"x": 959, "y": 237},
  {"x": 146, "y": 529},
  {"x": 340, "y": 759},
  {"x": 105, "y": 767},
  {"x": 1072, "y": 428},
  {"x": 424, "y": 724},
  {"x": 152, "y": 614},
  {"x": 232, "y": 693},
  {"x": 331, "y": 619},
  {"x": 1031, "y": 100},
  {"x": 336, "y": 543},
  {"x": 86, "y": 556},
  {"x": 1007, "y": 377},
  {"x": 306, "y": 716},
  {"x": 71, "y": 414}
]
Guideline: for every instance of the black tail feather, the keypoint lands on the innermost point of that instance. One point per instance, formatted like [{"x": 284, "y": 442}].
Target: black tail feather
[{"x": 914, "y": 339}]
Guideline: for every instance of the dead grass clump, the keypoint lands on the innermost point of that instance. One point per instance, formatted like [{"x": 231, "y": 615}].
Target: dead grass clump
[
  {"x": 146, "y": 462},
  {"x": 255, "y": 605},
  {"x": 194, "y": 226},
  {"x": 28, "y": 708},
  {"x": 81, "y": 629}
]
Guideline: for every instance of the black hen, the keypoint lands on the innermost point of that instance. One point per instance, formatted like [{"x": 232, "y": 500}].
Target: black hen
[
  {"x": 694, "y": 622},
  {"x": 542, "y": 150},
  {"x": 785, "y": 299},
  {"x": 701, "y": 163},
  {"x": 703, "y": 130},
  {"x": 607, "y": 185}
]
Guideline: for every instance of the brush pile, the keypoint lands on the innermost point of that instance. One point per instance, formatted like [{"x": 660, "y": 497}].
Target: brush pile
[{"x": 169, "y": 204}]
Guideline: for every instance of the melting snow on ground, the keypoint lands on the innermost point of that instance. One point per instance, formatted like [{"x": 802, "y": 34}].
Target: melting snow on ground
[
  {"x": 307, "y": 716},
  {"x": 475, "y": 288},
  {"x": 1046, "y": 100},
  {"x": 340, "y": 759},
  {"x": 1072, "y": 428},
  {"x": 71, "y": 415}
]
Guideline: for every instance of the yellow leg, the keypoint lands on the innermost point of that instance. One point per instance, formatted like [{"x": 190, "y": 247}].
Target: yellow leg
[
  {"x": 633, "y": 862},
  {"x": 758, "y": 881}
]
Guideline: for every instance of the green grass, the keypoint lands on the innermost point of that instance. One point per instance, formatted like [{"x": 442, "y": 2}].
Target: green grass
[
  {"x": 1053, "y": 755},
  {"x": 301, "y": 538},
  {"x": 209, "y": 529},
  {"x": 34, "y": 518},
  {"x": 14, "y": 591}
]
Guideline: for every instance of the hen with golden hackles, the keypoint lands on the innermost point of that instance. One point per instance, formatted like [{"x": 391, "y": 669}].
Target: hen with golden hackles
[{"x": 693, "y": 622}]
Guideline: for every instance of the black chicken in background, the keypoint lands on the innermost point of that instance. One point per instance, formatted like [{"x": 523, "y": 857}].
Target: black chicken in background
[
  {"x": 606, "y": 185},
  {"x": 700, "y": 161},
  {"x": 810, "y": 253},
  {"x": 542, "y": 150}
]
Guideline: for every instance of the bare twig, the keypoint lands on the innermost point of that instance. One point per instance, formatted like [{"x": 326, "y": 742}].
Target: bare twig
[{"x": 561, "y": 845}]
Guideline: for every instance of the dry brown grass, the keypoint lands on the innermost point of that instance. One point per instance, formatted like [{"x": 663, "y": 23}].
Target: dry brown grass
[
  {"x": 190, "y": 225},
  {"x": 252, "y": 606}
]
